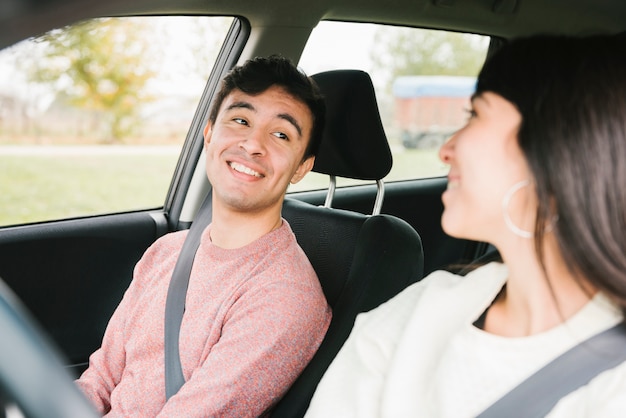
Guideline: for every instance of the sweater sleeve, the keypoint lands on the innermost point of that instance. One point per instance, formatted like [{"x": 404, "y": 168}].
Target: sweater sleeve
[
  {"x": 268, "y": 337},
  {"x": 107, "y": 363}
]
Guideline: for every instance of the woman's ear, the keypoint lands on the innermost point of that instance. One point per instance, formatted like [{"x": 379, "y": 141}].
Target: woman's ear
[{"x": 304, "y": 167}]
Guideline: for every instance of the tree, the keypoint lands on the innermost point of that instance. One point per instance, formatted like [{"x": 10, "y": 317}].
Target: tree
[
  {"x": 406, "y": 51},
  {"x": 99, "y": 65}
]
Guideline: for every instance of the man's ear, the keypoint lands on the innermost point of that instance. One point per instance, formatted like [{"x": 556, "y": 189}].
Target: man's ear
[
  {"x": 207, "y": 133},
  {"x": 304, "y": 167}
]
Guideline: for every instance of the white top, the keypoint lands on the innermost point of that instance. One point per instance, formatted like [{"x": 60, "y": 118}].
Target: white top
[{"x": 419, "y": 355}]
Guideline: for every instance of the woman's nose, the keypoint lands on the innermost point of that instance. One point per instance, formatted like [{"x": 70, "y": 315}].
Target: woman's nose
[{"x": 447, "y": 149}]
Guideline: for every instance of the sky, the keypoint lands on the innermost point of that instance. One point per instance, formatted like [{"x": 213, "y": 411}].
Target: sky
[{"x": 335, "y": 45}]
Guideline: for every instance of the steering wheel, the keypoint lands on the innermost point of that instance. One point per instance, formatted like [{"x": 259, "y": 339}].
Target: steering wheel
[{"x": 31, "y": 369}]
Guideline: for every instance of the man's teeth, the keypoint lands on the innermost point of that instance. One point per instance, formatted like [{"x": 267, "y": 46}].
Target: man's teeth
[{"x": 243, "y": 169}]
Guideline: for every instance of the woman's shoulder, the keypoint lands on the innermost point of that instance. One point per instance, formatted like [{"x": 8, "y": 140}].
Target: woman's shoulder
[
  {"x": 604, "y": 396},
  {"x": 439, "y": 285},
  {"x": 489, "y": 276}
]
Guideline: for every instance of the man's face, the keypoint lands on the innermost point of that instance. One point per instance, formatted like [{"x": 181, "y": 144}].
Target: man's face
[{"x": 255, "y": 149}]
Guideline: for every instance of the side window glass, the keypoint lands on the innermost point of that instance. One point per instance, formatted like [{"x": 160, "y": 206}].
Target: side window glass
[
  {"x": 93, "y": 116},
  {"x": 423, "y": 79}
]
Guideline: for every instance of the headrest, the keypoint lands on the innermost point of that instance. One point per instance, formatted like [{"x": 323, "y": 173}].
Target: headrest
[{"x": 354, "y": 144}]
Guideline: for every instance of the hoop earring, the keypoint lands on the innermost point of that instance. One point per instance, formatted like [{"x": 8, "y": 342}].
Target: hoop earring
[{"x": 506, "y": 200}]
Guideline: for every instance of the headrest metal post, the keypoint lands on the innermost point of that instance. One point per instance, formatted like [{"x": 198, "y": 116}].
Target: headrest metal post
[
  {"x": 380, "y": 196},
  {"x": 331, "y": 191}
]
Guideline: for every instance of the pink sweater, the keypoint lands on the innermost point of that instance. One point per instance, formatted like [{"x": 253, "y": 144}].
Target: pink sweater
[{"x": 254, "y": 318}]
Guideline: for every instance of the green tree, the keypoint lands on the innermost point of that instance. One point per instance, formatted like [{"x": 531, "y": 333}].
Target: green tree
[
  {"x": 406, "y": 51},
  {"x": 99, "y": 65}
]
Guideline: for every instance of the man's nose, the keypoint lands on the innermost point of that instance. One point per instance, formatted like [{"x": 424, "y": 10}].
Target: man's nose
[{"x": 253, "y": 143}]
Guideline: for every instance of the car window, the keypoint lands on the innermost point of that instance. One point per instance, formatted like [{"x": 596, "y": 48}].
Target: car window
[
  {"x": 93, "y": 116},
  {"x": 423, "y": 79}
]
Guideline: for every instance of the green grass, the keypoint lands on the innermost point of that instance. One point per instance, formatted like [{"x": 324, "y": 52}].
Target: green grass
[
  {"x": 47, "y": 187},
  {"x": 39, "y": 188}
]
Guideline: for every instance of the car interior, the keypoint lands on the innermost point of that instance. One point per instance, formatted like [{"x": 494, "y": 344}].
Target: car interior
[{"x": 367, "y": 233}]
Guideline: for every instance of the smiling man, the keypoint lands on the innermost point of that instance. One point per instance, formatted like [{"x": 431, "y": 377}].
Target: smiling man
[{"x": 255, "y": 312}]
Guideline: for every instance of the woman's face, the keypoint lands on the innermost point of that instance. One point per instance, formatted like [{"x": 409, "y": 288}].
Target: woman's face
[{"x": 485, "y": 163}]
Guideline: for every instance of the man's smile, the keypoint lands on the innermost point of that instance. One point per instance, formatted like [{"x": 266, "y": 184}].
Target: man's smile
[{"x": 243, "y": 169}]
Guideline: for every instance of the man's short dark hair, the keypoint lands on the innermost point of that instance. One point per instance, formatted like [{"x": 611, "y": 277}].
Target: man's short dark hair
[{"x": 259, "y": 74}]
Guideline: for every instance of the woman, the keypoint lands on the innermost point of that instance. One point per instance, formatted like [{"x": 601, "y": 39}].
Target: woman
[{"x": 537, "y": 171}]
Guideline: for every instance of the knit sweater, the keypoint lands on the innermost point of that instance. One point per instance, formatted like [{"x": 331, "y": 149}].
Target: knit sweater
[
  {"x": 418, "y": 355},
  {"x": 254, "y": 317}
]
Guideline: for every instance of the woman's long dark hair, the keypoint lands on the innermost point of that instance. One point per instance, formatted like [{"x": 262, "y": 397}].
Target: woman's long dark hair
[{"x": 571, "y": 93}]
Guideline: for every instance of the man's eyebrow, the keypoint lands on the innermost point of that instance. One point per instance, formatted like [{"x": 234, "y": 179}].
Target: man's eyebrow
[
  {"x": 292, "y": 120},
  {"x": 284, "y": 116},
  {"x": 244, "y": 105}
]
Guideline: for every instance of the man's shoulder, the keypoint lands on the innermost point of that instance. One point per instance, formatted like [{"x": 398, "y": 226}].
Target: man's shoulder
[
  {"x": 282, "y": 244},
  {"x": 166, "y": 246},
  {"x": 282, "y": 262},
  {"x": 176, "y": 239}
]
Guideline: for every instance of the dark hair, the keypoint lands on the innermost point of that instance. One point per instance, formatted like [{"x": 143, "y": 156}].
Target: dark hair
[
  {"x": 571, "y": 94},
  {"x": 257, "y": 75}
]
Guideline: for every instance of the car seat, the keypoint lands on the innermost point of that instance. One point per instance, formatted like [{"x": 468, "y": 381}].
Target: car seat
[{"x": 361, "y": 260}]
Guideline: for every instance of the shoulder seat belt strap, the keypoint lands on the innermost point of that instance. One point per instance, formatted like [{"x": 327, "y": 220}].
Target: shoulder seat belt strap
[
  {"x": 537, "y": 395},
  {"x": 176, "y": 295}
]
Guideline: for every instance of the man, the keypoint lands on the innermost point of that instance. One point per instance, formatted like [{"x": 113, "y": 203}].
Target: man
[{"x": 255, "y": 312}]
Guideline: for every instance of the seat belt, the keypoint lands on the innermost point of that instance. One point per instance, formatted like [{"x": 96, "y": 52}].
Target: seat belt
[
  {"x": 176, "y": 295},
  {"x": 537, "y": 395}
]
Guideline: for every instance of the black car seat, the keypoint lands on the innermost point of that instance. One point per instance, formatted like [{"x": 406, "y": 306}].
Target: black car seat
[{"x": 361, "y": 260}]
